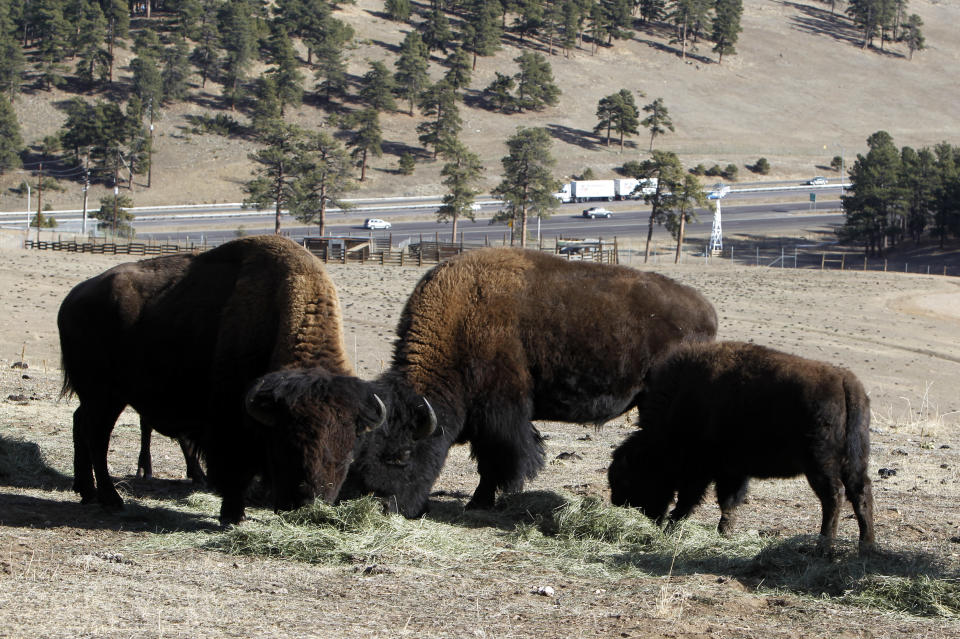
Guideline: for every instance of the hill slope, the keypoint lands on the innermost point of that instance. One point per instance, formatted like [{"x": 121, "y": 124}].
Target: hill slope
[{"x": 798, "y": 92}]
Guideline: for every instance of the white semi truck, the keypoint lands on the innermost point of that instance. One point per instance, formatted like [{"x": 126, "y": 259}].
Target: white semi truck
[{"x": 606, "y": 190}]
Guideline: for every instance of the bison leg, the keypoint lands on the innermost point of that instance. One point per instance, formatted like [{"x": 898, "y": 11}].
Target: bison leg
[
  {"x": 505, "y": 463},
  {"x": 191, "y": 455},
  {"x": 144, "y": 462},
  {"x": 860, "y": 493},
  {"x": 689, "y": 496},
  {"x": 731, "y": 491},
  {"x": 827, "y": 486},
  {"x": 91, "y": 433}
]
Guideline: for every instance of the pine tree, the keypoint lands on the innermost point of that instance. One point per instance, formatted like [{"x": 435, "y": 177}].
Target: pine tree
[
  {"x": 205, "y": 56},
  {"x": 912, "y": 34},
  {"x": 439, "y": 102},
  {"x": 605, "y": 114},
  {"x": 685, "y": 195},
  {"x": 658, "y": 122},
  {"x": 482, "y": 30},
  {"x": 10, "y": 141},
  {"x": 238, "y": 38},
  {"x": 665, "y": 168},
  {"x": 498, "y": 93},
  {"x": 625, "y": 116},
  {"x": 535, "y": 87},
  {"x": 278, "y": 168},
  {"x": 285, "y": 70},
  {"x": 266, "y": 108},
  {"x": 411, "y": 76},
  {"x": 366, "y": 138},
  {"x": 527, "y": 186},
  {"x": 88, "y": 43},
  {"x": 398, "y": 10},
  {"x": 460, "y": 173},
  {"x": 458, "y": 69},
  {"x": 529, "y": 19},
  {"x": 874, "y": 197},
  {"x": 147, "y": 79},
  {"x": 118, "y": 27},
  {"x": 376, "y": 88},
  {"x": 436, "y": 31},
  {"x": 328, "y": 40},
  {"x": 176, "y": 71},
  {"x": 12, "y": 60},
  {"x": 324, "y": 179},
  {"x": 115, "y": 217},
  {"x": 726, "y": 26},
  {"x": 651, "y": 10}
]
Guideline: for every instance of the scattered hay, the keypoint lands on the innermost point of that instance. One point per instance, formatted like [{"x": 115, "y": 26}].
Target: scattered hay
[{"x": 921, "y": 595}]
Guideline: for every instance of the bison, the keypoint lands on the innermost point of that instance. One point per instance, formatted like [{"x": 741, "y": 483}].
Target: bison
[
  {"x": 729, "y": 411},
  {"x": 496, "y": 338},
  {"x": 183, "y": 338},
  {"x": 191, "y": 456}
]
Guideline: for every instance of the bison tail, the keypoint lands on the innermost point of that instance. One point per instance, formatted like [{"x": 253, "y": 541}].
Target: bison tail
[
  {"x": 857, "y": 427},
  {"x": 66, "y": 391}
]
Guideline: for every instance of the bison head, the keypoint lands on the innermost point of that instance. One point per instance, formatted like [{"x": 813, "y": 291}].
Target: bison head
[
  {"x": 308, "y": 422},
  {"x": 399, "y": 462},
  {"x": 639, "y": 479}
]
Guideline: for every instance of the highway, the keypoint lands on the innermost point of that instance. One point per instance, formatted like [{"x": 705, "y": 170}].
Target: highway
[{"x": 779, "y": 208}]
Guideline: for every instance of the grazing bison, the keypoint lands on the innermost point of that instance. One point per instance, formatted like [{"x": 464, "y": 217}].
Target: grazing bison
[
  {"x": 182, "y": 339},
  {"x": 497, "y": 338},
  {"x": 729, "y": 411},
  {"x": 191, "y": 456}
]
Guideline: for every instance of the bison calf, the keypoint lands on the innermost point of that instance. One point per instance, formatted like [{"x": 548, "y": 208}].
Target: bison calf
[{"x": 725, "y": 412}]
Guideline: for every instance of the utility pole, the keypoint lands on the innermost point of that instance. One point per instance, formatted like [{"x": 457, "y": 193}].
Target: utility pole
[{"x": 116, "y": 192}]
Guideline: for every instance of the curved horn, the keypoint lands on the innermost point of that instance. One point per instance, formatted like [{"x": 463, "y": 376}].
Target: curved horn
[
  {"x": 430, "y": 427},
  {"x": 381, "y": 413}
]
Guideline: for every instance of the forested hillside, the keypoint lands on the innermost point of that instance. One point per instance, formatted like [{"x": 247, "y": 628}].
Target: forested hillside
[{"x": 171, "y": 99}]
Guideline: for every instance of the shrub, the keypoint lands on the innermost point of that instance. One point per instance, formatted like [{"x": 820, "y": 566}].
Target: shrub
[
  {"x": 699, "y": 169},
  {"x": 714, "y": 171},
  {"x": 730, "y": 172},
  {"x": 587, "y": 174},
  {"x": 761, "y": 166},
  {"x": 406, "y": 164}
]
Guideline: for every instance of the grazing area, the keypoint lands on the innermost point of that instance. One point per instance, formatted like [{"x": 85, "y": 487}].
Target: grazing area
[{"x": 553, "y": 561}]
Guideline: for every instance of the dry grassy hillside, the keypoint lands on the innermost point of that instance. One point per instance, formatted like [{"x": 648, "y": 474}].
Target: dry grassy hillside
[{"x": 799, "y": 91}]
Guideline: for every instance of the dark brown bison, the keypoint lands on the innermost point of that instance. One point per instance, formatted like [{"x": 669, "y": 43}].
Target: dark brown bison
[
  {"x": 497, "y": 338},
  {"x": 191, "y": 456},
  {"x": 183, "y": 338},
  {"x": 729, "y": 411}
]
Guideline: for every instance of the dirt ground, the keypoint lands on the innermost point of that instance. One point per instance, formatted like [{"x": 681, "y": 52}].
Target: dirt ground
[
  {"x": 68, "y": 570},
  {"x": 798, "y": 92}
]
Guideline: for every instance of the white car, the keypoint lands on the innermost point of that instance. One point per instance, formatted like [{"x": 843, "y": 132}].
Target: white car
[
  {"x": 718, "y": 191},
  {"x": 595, "y": 212},
  {"x": 817, "y": 181},
  {"x": 376, "y": 223}
]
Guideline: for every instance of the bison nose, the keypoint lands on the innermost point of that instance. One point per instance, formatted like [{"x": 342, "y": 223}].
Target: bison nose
[{"x": 398, "y": 458}]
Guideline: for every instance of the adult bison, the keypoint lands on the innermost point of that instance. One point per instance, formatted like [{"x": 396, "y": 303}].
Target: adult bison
[
  {"x": 499, "y": 337},
  {"x": 729, "y": 411},
  {"x": 182, "y": 339}
]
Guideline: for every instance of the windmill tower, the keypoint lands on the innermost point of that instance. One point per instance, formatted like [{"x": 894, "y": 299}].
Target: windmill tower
[{"x": 715, "y": 248}]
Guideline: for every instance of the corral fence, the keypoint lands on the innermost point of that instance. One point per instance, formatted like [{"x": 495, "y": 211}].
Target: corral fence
[
  {"x": 112, "y": 248},
  {"x": 424, "y": 251}
]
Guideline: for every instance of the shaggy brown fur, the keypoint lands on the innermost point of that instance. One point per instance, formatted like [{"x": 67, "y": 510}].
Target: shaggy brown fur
[
  {"x": 729, "y": 411},
  {"x": 499, "y": 337},
  {"x": 181, "y": 339}
]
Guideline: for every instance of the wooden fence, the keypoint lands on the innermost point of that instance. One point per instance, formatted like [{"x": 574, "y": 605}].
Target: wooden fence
[{"x": 111, "y": 248}]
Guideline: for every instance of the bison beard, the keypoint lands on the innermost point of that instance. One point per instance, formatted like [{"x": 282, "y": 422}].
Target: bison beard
[
  {"x": 497, "y": 338},
  {"x": 182, "y": 338},
  {"x": 730, "y": 411}
]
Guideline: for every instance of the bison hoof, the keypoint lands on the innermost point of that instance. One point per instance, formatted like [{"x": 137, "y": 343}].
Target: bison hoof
[
  {"x": 111, "y": 504},
  {"x": 480, "y": 504}
]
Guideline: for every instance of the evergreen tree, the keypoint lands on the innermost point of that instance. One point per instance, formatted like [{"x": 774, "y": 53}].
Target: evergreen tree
[
  {"x": 912, "y": 34},
  {"x": 377, "y": 86},
  {"x": 946, "y": 200},
  {"x": 366, "y": 138},
  {"x": 147, "y": 79},
  {"x": 12, "y": 60},
  {"x": 115, "y": 217},
  {"x": 205, "y": 56},
  {"x": 458, "y": 69},
  {"x": 874, "y": 198},
  {"x": 328, "y": 41},
  {"x": 398, "y": 10},
  {"x": 118, "y": 27},
  {"x": 285, "y": 70},
  {"x": 605, "y": 114},
  {"x": 88, "y": 43},
  {"x": 571, "y": 19},
  {"x": 535, "y": 87},
  {"x": 10, "y": 141},
  {"x": 919, "y": 178},
  {"x": 266, "y": 108},
  {"x": 460, "y": 173},
  {"x": 498, "y": 93},
  {"x": 279, "y": 167},
  {"x": 552, "y": 22},
  {"x": 685, "y": 195},
  {"x": 238, "y": 38},
  {"x": 658, "y": 122},
  {"x": 325, "y": 178},
  {"x": 187, "y": 16},
  {"x": 726, "y": 26},
  {"x": 439, "y": 102},
  {"x": 865, "y": 14},
  {"x": 527, "y": 186},
  {"x": 411, "y": 76},
  {"x": 651, "y": 10},
  {"x": 481, "y": 30},
  {"x": 436, "y": 31},
  {"x": 665, "y": 168},
  {"x": 529, "y": 19},
  {"x": 176, "y": 71}
]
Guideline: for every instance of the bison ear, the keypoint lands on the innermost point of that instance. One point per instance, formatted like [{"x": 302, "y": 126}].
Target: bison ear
[{"x": 262, "y": 405}]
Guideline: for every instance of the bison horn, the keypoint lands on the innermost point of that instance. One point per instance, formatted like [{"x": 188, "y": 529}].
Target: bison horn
[
  {"x": 430, "y": 426},
  {"x": 381, "y": 413}
]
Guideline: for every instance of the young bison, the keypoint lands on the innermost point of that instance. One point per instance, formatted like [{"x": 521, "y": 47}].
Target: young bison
[{"x": 725, "y": 412}]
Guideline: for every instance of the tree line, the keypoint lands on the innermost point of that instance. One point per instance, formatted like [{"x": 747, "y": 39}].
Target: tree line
[{"x": 900, "y": 195}]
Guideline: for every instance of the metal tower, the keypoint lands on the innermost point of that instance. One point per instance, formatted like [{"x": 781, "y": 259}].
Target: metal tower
[{"x": 716, "y": 234}]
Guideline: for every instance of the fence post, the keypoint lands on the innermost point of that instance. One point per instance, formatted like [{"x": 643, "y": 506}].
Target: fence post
[
  {"x": 864, "y": 262},
  {"x": 823, "y": 260},
  {"x": 758, "y": 256},
  {"x": 843, "y": 259},
  {"x": 884, "y": 265}
]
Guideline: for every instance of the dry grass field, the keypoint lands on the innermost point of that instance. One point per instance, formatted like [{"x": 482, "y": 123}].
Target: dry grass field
[
  {"x": 799, "y": 91},
  {"x": 553, "y": 561}
]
